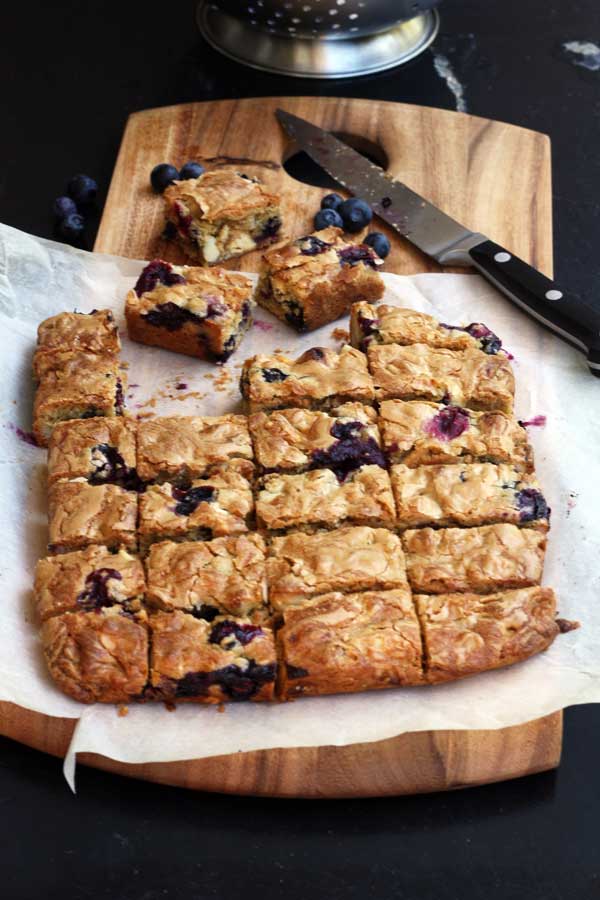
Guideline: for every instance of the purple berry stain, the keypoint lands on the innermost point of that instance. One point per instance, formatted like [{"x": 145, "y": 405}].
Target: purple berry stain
[
  {"x": 532, "y": 505},
  {"x": 241, "y": 631},
  {"x": 188, "y": 500},
  {"x": 539, "y": 421},
  {"x": 95, "y": 592},
  {"x": 181, "y": 386},
  {"x": 157, "y": 272},
  {"x": 448, "y": 423},
  {"x": 26, "y": 436}
]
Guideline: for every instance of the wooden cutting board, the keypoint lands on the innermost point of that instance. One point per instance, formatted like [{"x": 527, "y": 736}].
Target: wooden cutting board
[{"x": 491, "y": 176}]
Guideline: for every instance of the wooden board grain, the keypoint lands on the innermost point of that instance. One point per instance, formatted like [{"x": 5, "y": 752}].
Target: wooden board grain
[{"x": 493, "y": 177}]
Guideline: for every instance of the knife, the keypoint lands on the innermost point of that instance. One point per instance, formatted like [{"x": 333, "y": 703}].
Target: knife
[{"x": 450, "y": 243}]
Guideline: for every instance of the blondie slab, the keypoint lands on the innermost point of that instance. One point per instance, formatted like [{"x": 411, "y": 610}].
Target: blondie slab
[
  {"x": 94, "y": 332},
  {"x": 80, "y": 514},
  {"x": 100, "y": 450}
]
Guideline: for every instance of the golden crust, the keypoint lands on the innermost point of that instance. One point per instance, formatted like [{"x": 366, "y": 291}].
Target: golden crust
[
  {"x": 349, "y": 559},
  {"x": 317, "y": 499},
  {"x": 227, "y": 576},
  {"x": 412, "y": 433},
  {"x": 94, "y": 332},
  {"x": 318, "y": 379},
  {"x": 478, "y": 494},
  {"x": 74, "y": 446},
  {"x": 462, "y": 377},
  {"x": 343, "y": 643},
  {"x": 218, "y": 505},
  {"x": 190, "y": 663},
  {"x": 66, "y": 583},
  {"x": 173, "y": 447},
  {"x": 308, "y": 290},
  {"x": 220, "y": 194},
  {"x": 97, "y": 656},
  {"x": 286, "y": 439},
  {"x": 489, "y": 558},
  {"x": 80, "y": 514},
  {"x": 465, "y": 634}
]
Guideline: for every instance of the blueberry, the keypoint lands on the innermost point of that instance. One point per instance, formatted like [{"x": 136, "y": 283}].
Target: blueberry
[
  {"x": 82, "y": 189},
  {"x": 162, "y": 176},
  {"x": 356, "y": 214},
  {"x": 379, "y": 243},
  {"x": 190, "y": 170},
  {"x": 71, "y": 227},
  {"x": 331, "y": 201},
  {"x": 63, "y": 206},
  {"x": 327, "y": 217}
]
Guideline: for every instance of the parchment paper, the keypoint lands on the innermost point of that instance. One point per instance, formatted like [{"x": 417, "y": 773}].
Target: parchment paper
[{"x": 39, "y": 278}]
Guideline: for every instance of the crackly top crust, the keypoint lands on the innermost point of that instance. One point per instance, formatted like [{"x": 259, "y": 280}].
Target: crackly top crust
[
  {"x": 487, "y": 558},
  {"x": 183, "y": 655},
  {"x": 477, "y": 494},
  {"x": 287, "y": 438},
  {"x": 215, "y": 295},
  {"x": 73, "y": 446},
  {"x": 188, "y": 446},
  {"x": 94, "y": 332},
  {"x": 66, "y": 582},
  {"x": 398, "y": 325},
  {"x": 80, "y": 514},
  {"x": 463, "y": 377},
  {"x": 319, "y": 498},
  {"x": 351, "y": 642},
  {"x": 226, "y": 575},
  {"x": 414, "y": 432},
  {"x": 220, "y": 194},
  {"x": 70, "y": 368},
  {"x": 99, "y": 656},
  {"x": 312, "y": 378},
  {"x": 354, "y": 558},
  {"x": 469, "y": 633},
  {"x": 225, "y": 512}
]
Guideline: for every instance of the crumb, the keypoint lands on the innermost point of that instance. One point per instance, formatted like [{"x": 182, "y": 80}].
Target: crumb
[
  {"x": 123, "y": 711},
  {"x": 221, "y": 708},
  {"x": 340, "y": 334},
  {"x": 123, "y": 365},
  {"x": 146, "y": 415},
  {"x": 565, "y": 625}
]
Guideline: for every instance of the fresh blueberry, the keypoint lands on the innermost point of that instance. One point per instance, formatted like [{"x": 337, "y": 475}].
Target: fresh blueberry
[
  {"x": 331, "y": 201},
  {"x": 82, "y": 189},
  {"x": 356, "y": 214},
  {"x": 190, "y": 170},
  {"x": 162, "y": 176},
  {"x": 63, "y": 207},
  {"x": 379, "y": 243},
  {"x": 71, "y": 227},
  {"x": 327, "y": 217}
]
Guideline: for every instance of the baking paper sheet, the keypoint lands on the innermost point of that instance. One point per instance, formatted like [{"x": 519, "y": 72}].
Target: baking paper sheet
[{"x": 39, "y": 278}]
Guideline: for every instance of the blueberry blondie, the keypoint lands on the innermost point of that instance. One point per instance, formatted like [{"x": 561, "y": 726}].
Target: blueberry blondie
[
  {"x": 94, "y": 332},
  {"x": 100, "y": 450},
  {"x": 80, "y": 514}
]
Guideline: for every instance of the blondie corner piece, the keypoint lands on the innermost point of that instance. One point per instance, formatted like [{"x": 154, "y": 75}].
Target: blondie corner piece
[
  {"x": 342, "y": 643},
  {"x": 101, "y": 450},
  {"x": 221, "y": 214},
  {"x": 88, "y": 580},
  {"x": 315, "y": 279},
  {"x": 198, "y": 312},
  {"x": 318, "y": 379},
  {"x": 468, "y": 633},
  {"x": 94, "y": 332},
  {"x": 210, "y": 662},
  {"x": 210, "y": 578},
  {"x": 80, "y": 514},
  {"x": 99, "y": 656},
  {"x": 479, "y": 560}
]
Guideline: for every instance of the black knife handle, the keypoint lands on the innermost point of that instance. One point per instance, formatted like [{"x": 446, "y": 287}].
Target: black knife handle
[{"x": 570, "y": 317}]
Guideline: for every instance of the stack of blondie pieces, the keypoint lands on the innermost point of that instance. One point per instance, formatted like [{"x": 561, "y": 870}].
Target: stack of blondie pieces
[{"x": 374, "y": 521}]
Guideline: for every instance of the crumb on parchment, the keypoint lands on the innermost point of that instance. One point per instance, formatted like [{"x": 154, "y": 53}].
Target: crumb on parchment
[{"x": 341, "y": 334}]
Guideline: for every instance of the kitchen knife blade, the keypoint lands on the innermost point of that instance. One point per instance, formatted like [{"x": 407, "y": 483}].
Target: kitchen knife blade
[{"x": 449, "y": 242}]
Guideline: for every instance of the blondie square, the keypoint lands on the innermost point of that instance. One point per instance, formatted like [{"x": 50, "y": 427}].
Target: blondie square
[
  {"x": 419, "y": 432},
  {"x": 478, "y": 494},
  {"x": 318, "y": 379},
  {"x": 464, "y": 634},
  {"x": 295, "y": 440},
  {"x": 176, "y": 448},
  {"x": 80, "y": 514},
  {"x": 88, "y": 580},
  {"x": 398, "y": 325},
  {"x": 461, "y": 377},
  {"x": 356, "y": 558},
  {"x": 221, "y": 214},
  {"x": 210, "y": 662},
  {"x": 315, "y": 279},
  {"x": 220, "y": 504},
  {"x": 199, "y": 312},
  {"x": 100, "y": 450},
  {"x": 488, "y": 558},
  {"x": 210, "y": 578},
  {"x": 99, "y": 656},
  {"x": 319, "y": 499},
  {"x": 94, "y": 332},
  {"x": 341, "y": 643}
]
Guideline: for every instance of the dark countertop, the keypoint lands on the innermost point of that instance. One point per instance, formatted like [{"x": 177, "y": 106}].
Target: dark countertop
[{"x": 71, "y": 73}]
